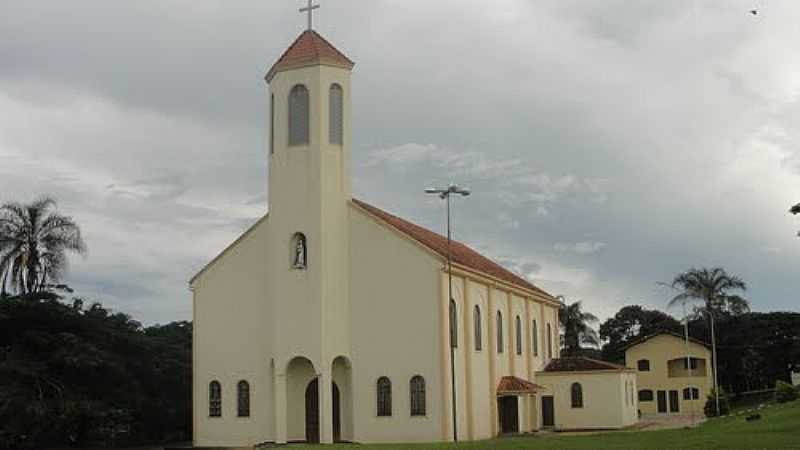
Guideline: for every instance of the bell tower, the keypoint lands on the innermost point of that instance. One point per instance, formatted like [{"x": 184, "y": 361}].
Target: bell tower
[{"x": 309, "y": 192}]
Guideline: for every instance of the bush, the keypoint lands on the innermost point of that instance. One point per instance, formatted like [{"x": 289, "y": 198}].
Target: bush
[
  {"x": 785, "y": 392},
  {"x": 710, "y": 408}
]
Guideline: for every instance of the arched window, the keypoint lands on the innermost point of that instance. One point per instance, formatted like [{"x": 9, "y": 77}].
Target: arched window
[
  {"x": 476, "y": 323},
  {"x": 645, "y": 395},
  {"x": 691, "y": 394},
  {"x": 499, "y": 332},
  {"x": 336, "y": 114},
  {"x": 549, "y": 341},
  {"x": 417, "y": 390},
  {"x": 243, "y": 399},
  {"x": 214, "y": 399},
  {"x": 453, "y": 325},
  {"x": 519, "y": 335},
  {"x": 299, "y": 116},
  {"x": 643, "y": 365},
  {"x": 576, "y": 392},
  {"x": 384, "y": 390},
  {"x": 272, "y": 124},
  {"x": 299, "y": 251},
  {"x": 535, "y": 333}
]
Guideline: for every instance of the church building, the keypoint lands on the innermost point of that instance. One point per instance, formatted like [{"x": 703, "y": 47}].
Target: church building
[{"x": 329, "y": 319}]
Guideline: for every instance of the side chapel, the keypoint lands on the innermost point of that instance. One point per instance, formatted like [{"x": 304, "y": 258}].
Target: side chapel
[{"x": 329, "y": 320}]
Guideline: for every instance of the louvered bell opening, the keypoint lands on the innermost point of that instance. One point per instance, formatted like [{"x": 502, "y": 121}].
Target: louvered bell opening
[
  {"x": 336, "y": 106},
  {"x": 298, "y": 116}
]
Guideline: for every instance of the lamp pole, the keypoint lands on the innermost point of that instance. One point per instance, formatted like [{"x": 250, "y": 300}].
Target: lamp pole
[{"x": 444, "y": 194}]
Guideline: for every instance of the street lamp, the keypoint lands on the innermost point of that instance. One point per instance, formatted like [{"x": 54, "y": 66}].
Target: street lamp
[{"x": 444, "y": 194}]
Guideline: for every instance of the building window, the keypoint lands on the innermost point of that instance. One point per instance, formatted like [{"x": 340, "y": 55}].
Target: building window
[
  {"x": 336, "y": 115},
  {"x": 214, "y": 399},
  {"x": 691, "y": 394},
  {"x": 576, "y": 392},
  {"x": 643, "y": 365},
  {"x": 549, "y": 341},
  {"x": 272, "y": 124},
  {"x": 453, "y": 324},
  {"x": 299, "y": 251},
  {"x": 384, "y": 388},
  {"x": 299, "y": 116},
  {"x": 691, "y": 362},
  {"x": 535, "y": 333},
  {"x": 476, "y": 322},
  {"x": 499, "y": 332},
  {"x": 519, "y": 335},
  {"x": 417, "y": 389},
  {"x": 243, "y": 397},
  {"x": 645, "y": 395}
]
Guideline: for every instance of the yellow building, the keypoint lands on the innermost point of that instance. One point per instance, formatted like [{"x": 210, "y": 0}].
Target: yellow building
[
  {"x": 673, "y": 377},
  {"x": 328, "y": 320}
]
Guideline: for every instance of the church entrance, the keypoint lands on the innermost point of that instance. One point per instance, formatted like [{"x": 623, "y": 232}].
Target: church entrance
[
  {"x": 508, "y": 409},
  {"x": 312, "y": 412},
  {"x": 337, "y": 415}
]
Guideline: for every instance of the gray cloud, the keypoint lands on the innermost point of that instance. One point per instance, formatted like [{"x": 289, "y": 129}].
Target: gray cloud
[{"x": 608, "y": 145}]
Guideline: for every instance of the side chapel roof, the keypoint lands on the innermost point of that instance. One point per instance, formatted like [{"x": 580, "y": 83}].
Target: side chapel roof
[{"x": 580, "y": 364}]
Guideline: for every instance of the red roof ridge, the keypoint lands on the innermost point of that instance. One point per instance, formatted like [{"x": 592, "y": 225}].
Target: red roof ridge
[
  {"x": 310, "y": 48},
  {"x": 580, "y": 364},
  {"x": 461, "y": 253},
  {"x": 516, "y": 385}
]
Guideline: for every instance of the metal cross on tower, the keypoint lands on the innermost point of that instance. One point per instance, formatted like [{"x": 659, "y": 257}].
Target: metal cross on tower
[{"x": 310, "y": 10}]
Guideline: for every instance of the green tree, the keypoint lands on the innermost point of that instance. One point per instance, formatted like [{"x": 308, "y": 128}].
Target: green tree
[
  {"x": 630, "y": 323},
  {"x": 34, "y": 241},
  {"x": 713, "y": 287},
  {"x": 575, "y": 324}
]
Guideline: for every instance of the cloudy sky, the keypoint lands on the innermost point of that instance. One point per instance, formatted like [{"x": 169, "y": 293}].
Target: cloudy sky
[{"x": 609, "y": 144}]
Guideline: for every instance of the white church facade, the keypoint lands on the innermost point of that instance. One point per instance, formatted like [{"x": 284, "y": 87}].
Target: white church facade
[{"x": 329, "y": 319}]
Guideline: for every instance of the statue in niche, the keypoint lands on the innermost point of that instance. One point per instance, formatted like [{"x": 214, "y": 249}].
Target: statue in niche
[{"x": 299, "y": 252}]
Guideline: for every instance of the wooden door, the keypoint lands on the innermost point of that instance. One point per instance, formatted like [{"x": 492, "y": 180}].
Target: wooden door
[
  {"x": 662, "y": 401},
  {"x": 548, "y": 412},
  {"x": 673, "y": 402},
  {"x": 337, "y": 417},
  {"x": 312, "y": 412},
  {"x": 508, "y": 408}
]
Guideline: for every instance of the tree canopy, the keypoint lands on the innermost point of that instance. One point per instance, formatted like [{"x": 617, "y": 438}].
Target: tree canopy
[
  {"x": 576, "y": 327},
  {"x": 34, "y": 241},
  {"x": 72, "y": 375}
]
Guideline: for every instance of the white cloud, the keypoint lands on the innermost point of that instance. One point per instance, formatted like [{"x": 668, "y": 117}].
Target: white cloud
[{"x": 582, "y": 248}]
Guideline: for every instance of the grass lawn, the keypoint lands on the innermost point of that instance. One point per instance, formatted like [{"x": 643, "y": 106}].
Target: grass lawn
[{"x": 779, "y": 427}]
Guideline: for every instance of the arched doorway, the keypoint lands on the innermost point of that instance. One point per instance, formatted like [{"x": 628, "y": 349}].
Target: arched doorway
[{"x": 312, "y": 412}]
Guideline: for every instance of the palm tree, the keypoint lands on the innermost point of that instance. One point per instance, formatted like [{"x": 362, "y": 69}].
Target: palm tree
[
  {"x": 576, "y": 326},
  {"x": 795, "y": 210},
  {"x": 34, "y": 241},
  {"x": 712, "y": 287}
]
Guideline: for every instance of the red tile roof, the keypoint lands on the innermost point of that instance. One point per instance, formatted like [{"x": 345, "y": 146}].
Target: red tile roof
[
  {"x": 461, "y": 254},
  {"x": 309, "y": 49},
  {"x": 665, "y": 333},
  {"x": 580, "y": 364},
  {"x": 514, "y": 385}
]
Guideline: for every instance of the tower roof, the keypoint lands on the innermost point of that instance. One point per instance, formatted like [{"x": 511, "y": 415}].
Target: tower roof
[{"x": 309, "y": 49}]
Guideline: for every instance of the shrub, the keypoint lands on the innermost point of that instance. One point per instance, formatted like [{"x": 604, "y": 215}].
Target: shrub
[
  {"x": 710, "y": 408},
  {"x": 785, "y": 392}
]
